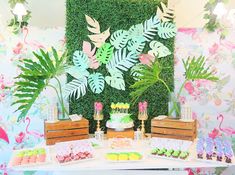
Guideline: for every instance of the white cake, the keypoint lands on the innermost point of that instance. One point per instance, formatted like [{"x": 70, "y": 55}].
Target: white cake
[{"x": 120, "y": 121}]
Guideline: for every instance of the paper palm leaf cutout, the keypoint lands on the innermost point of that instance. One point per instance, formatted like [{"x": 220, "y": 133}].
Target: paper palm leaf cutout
[
  {"x": 135, "y": 71},
  {"x": 98, "y": 38},
  {"x": 115, "y": 80},
  {"x": 158, "y": 49},
  {"x": 119, "y": 39},
  {"x": 122, "y": 60},
  {"x": 150, "y": 27},
  {"x": 104, "y": 54},
  {"x": 166, "y": 30},
  {"x": 87, "y": 49},
  {"x": 76, "y": 72},
  {"x": 34, "y": 77},
  {"x": 76, "y": 88},
  {"x": 136, "y": 30},
  {"x": 136, "y": 45},
  {"x": 96, "y": 82},
  {"x": 80, "y": 60},
  {"x": 195, "y": 69},
  {"x": 165, "y": 14}
]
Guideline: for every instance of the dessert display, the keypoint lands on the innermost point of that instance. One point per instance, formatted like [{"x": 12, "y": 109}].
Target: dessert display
[
  {"x": 120, "y": 143},
  {"x": 124, "y": 156},
  {"x": 68, "y": 152},
  {"x": 120, "y": 119},
  {"x": 170, "y": 148},
  {"x": 216, "y": 149},
  {"x": 29, "y": 157}
]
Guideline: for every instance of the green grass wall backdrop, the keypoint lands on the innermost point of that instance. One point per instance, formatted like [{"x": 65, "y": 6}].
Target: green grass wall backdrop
[{"x": 116, "y": 14}]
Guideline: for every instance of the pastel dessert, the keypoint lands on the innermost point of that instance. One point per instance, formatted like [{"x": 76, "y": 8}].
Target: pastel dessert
[
  {"x": 228, "y": 152},
  {"x": 168, "y": 153},
  {"x": 209, "y": 148},
  {"x": 120, "y": 143},
  {"x": 162, "y": 151},
  {"x": 176, "y": 154},
  {"x": 219, "y": 149},
  {"x": 200, "y": 148},
  {"x": 112, "y": 156},
  {"x": 123, "y": 156},
  {"x": 184, "y": 155},
  {"x": 155, "y": 151},
  {"x": 134, "y": 156}
]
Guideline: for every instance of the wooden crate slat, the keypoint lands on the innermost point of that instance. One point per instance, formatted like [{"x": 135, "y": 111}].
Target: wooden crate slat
[
  {"x": 66, "y": 124},
  {"x": 173, "y": 124},
  {"x": 169, "y": 131},
  {"x": 65, "y": 139},
  {"x": 172, "y": 136},
  {"x": 64, "y": 133}
]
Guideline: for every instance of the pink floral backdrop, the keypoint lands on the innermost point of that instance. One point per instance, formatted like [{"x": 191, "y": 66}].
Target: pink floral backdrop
[{"x": 208, "y": 100}]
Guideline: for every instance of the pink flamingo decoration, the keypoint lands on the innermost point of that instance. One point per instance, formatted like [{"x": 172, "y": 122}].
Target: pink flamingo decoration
[
  {"x": 229, "y": 131},
  {"x": 3, "y": 135},
  {"x": 33, "y": 133}
]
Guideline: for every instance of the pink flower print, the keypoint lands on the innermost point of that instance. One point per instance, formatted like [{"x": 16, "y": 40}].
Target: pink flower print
[
  {"x": 20, "y": 137},
  {"x": 214, "y": 49},
  {"x": 189, "y": 87}
]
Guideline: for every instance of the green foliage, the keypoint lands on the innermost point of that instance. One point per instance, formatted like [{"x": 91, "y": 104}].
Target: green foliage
[
  {"x": 195, "y": 69},
  {"x": 166, "y": 30},
  {"x": 119, "y": 39},
  {"x": 158, "y": 49},
  {"x": 136, "y": 45},
  {"x": 80, "y": 60},
  {"x": 115, "y": 80},
  {"x": 118, "y": 15},
  {"x": 96, "y": 82},
  {"x": 104, "y": 54},
  {"x": 76, "y": 88},
  {"x": 34, "y": 77}
]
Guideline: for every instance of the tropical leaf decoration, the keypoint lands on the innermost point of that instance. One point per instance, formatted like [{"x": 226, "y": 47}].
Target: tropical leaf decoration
[
  {"x": 119, "y": 39},
  {"x": 148, "y": 76},
  {"x": 115, "y": 80},
  {"x": 96, "y": 82},
  {"x": 122, "y": 60},
  {"x": 135, "y": 71},
  {"x": 76, "y": 72},
  {"x": 136, "y": 30},
  {"x": 158, "y": 49},
  {"x": 151, "y": 27},
  {"x": 80, "y": 60},
  {"x": 167, "y": 30},
  {"x": 35, "y": 77},
  {"x": 164, "y": 13},
  {"x": 98, "y": 38},
  {"x": 104, "y": 54},
  {"x": 136, "y": 45},
  {"x": 195, "y": 69},
  {"x": 87, "y": 49},
  {"x": 76, "y": 88}
]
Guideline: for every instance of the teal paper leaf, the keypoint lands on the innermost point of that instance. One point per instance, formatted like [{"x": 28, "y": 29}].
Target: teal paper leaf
[
  {"x": 104, "y": 53},
  {"x": 136, "y": 45},
  {"x": 136, "y": 30},
  {"x": 119, "y": 39},
  {"x": 135, "y": 71},
  {"x": 122, "y": 61},
  {"x": 150, "y": 28},
  {"x": 158, "y": 49},
  {"x": 115, "y": 80},
  {"x": 96, "y": 82},
  {"x": 80, "y": 59},
  {"x": 167, "y": 30},
  {"x": 76, "y": 72},
  {"x": 76, "y": 88}
]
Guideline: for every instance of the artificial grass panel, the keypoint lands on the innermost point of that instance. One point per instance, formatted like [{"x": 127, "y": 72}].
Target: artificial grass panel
[{"x": 117, "y": 14}]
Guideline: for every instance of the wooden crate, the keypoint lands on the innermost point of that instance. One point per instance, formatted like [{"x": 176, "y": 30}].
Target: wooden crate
[
  {"x": 128, "y": 133},
  {"x": 176, "y": 129},
  {"x": 66, "y": 130}
]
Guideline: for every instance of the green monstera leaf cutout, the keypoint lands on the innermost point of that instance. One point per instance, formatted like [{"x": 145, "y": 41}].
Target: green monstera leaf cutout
[
  {"x": 158, "y": 49},
  {"x": 76, "y": 88},
  {"x": 75, "y": 72},
  {"x": 115, "y": 80},
  {"x": 136, "y": 30},
  {"x": 104, "y": 53},
  {"x": 80, "y": 60},
  {"x": 150, "y": 28},
  {"x": 167, "y": 30},
  {"x": 119, "y": 39},
  {"x": 136, "y": 45},
  {"x": 122, "y": 60},
  {"x": 96, "y": 82}
]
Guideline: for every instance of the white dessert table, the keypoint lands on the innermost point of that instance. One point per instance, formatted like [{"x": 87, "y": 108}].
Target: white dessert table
[{"x": 100, "y": 164}]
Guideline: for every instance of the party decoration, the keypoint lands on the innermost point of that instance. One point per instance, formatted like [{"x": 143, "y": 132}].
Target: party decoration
[
  {"x": 166, "y": 14},
  {"x": 98, "y": 115},
  {"x": 115, "y": 80},
  {"x": 136, "y": 30},
  {"x": 76, "y": 72},
  {"x": 96, "y": 82},
  {"x": 158, "y": 49},
  {"x": 122, "y": 60},
  {"x": 76, "y": 88},
  {"x": 166, "y": 30},
  {"x": 87, "y": 49},
  {"x": 3, "y": 135},
  {"x": 119, "y": 39},
  {"x": 136, "y": 45},
  {"x": 35, "y": 78},
  {"x": 97, "y": 38},
  {"x": 104, "y": 53},
  {"x": 80, "y": 60},
  {"x": 150, "y": 27}
]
